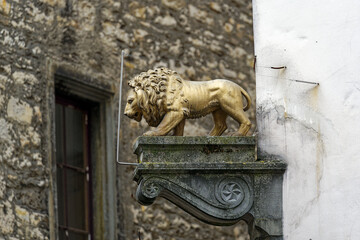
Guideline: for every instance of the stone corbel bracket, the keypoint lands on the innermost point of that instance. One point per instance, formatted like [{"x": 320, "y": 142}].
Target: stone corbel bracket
[{"x": 216, "y": 179}]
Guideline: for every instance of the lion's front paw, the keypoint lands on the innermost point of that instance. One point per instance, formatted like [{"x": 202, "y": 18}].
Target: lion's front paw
[
  {"x": 154, "y": 133},
  {"x": 149, "y": 133}
]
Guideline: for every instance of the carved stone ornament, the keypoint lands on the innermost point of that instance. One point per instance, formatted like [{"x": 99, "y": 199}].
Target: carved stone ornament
[
  {"x": 232, "y": 191},
  {"x": 165, "y": 100},
  {"x": 216, "y": 179},
  {"x": 224, "y": 204}
]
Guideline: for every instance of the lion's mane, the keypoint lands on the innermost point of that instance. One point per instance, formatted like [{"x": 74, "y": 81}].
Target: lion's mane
[{"x": 157, "y": 92}]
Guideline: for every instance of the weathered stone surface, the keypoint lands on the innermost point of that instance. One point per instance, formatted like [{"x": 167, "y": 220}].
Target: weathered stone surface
[
  {"x": 58, "y": 3},
  {"x": 215, "y": 7},
  {"x": 177, "y": 48},
  {"x": 19, "y": 111},
  {"x": 173, "y": 151},
  {"x": 137, "y": 10},
  {"x": 22, "y": 78},
  {"x": 197, "y": 13},
  {"x": 228, "y": 27},
  {"x": 2, "y": 187},
  {"x": 174, "y": 4},
  {"x": 227, "y": 72},
  {"x": 4, "y": 130},
  {"x": 167, "y": 20},
  {"x": 5, "y": 8},
  {"x": 22, "y": 214},
  {"x": 2, "y": 99},
  {"x": 140, "y": 34},
  {"x": 7, "y": 218}
]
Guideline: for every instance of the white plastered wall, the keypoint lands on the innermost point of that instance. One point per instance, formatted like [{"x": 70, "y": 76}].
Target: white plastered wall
[{"x": 316, "y": 129}]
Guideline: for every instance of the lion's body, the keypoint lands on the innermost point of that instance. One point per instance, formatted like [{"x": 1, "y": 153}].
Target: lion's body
[
  {"x": 207, "y": 96},
  {"x": 165, "y": 100}
]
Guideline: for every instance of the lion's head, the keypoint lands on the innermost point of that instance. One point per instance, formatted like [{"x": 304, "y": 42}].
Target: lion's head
[
  {"x": 132, "y": 109},
  {"x": 149, "y": 96}
]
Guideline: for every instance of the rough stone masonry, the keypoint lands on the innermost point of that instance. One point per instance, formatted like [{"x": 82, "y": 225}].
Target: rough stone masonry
[{"x": 199, "y": 39}]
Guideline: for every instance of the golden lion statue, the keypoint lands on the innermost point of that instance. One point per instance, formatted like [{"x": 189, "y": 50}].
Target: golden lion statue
[{"x": 165, "y": 100}]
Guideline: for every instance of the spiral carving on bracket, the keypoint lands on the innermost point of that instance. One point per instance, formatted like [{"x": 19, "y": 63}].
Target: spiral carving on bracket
[
  {"x": 232, "y": 191},
  {"x": 151, "y": 189}
]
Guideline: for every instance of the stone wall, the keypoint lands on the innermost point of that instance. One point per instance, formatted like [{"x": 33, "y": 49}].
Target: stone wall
[{"x": 199, "y": 39}]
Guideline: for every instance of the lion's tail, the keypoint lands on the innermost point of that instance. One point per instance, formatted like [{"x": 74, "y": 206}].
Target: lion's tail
[{"x": 248, "y": 99}]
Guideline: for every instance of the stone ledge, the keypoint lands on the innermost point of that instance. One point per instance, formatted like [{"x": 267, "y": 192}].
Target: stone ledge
[
  {"x": 169, "y": 149},
  {"x": 261, "y": 166},
  {"x": 205, "y": 154},
  {"x": 193, "y": 140}
]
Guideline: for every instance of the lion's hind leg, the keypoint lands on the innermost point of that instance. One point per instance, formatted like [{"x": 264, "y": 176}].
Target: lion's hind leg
[
  {"x": 219, "y": 123},
  {"x": 244, "y": 122},
  {"x": 235, "y": 110}
]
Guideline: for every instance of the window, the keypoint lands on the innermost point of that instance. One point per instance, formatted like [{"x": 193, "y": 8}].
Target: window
[
  {"x": 73, "y": 171},
  {"x": 82, "y": 203}
]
